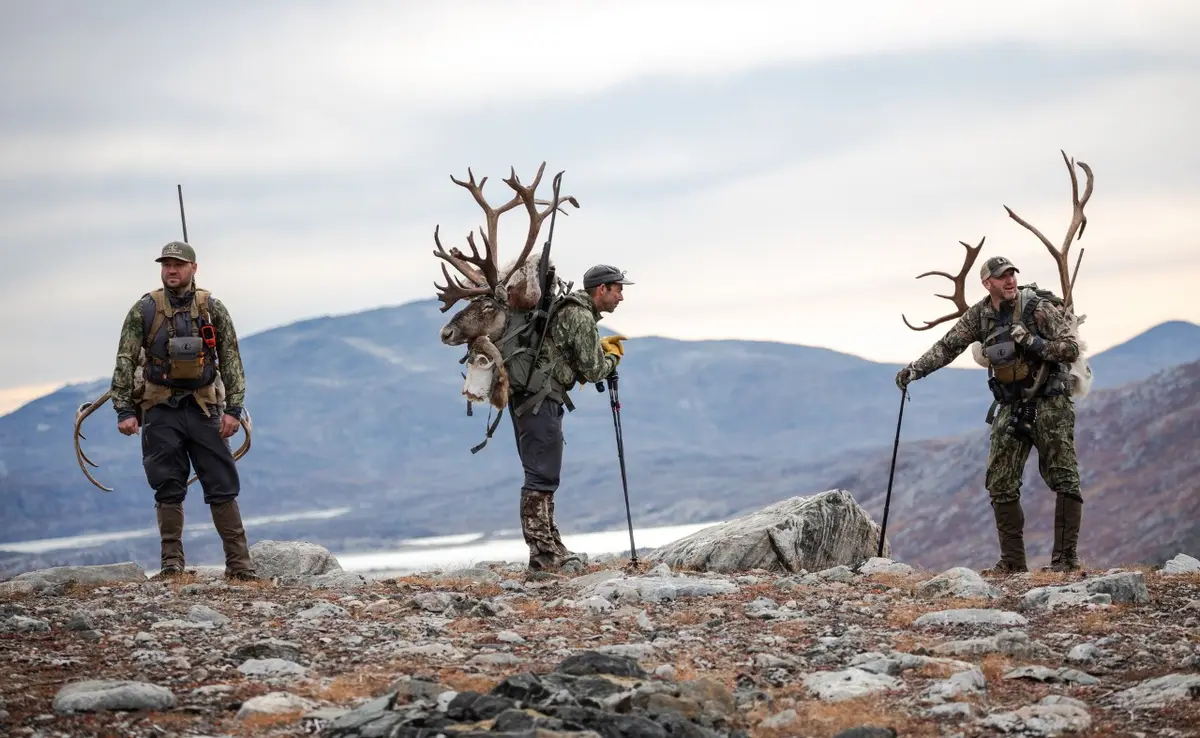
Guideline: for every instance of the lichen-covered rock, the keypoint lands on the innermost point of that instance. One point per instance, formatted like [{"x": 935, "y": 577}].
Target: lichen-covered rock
[
  {"x": 292, "y": 559},
  {"x": 112, "y": 694},
  {"x": 798, "y": 534},
  {"x": 35, "y": 581}
]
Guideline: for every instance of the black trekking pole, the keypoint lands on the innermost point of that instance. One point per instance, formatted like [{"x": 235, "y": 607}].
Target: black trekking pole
[
  {"x": 891, "y": 474},
  {"x": 615, "y": 402},
  {"x": 182, "y": 218}
]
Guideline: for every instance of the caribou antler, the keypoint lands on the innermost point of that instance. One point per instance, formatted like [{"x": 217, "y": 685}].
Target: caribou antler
[
  {"x": 81, "y": 414},
  {"x": 1074, "y": 230},
  {"x": 484, "y": 269},
  {"x": 959, "y": 298},
  {"x": 87, "y": 408}
]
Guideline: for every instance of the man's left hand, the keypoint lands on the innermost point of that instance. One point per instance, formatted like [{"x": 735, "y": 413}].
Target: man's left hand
[
  {"x": 229, "y": 426},
  {"x": 1023, "y": 337},
  {"x": 612, "y": 345}
]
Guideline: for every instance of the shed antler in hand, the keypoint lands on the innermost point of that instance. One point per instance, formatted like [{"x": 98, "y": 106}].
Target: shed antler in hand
[
  {"x": 1075, "y": 230},
  {"x": 959, "y": 298}
]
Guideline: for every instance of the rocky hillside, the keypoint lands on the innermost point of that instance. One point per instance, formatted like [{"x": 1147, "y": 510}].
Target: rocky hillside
[
  {"x": 878, "y": 650},
  {"x": 1140, "y": 468}
]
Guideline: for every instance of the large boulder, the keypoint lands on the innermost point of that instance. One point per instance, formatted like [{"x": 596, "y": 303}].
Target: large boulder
[
  {"x": 801, "y": 533},
  {"x": 292, "y": 558}
]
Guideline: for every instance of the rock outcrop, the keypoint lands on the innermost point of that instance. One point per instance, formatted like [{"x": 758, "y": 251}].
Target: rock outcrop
[{"x": 798, "y": 534}]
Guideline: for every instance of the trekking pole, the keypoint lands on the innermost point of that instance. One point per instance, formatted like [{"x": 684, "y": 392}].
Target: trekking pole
[
  {"x": 891, "y": 474},
  {"x": 182, "y": 219},
  {"x": 615, "y": 402}
]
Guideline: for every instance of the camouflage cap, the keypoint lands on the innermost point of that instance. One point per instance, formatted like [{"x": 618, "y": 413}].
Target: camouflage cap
[
  {"x": 996, "y": 266},
  {"x": 178, "y": 250},
  {"x": 603, "y": 274}
]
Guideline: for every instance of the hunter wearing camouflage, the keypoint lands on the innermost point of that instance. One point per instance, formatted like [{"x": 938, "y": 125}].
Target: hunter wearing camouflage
[
  {"x": 1029, "y": 357},
  {"x": 572, "y": 353},
  {"x": 178, "y": 407}
]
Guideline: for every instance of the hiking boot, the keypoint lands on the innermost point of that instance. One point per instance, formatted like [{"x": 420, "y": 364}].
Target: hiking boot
[
  {"x": 1010, "y": 530},
  {"x": 170, "y": 532},
  {"x": 1067, "y": 514},
  {"x": 227, "y": 518},
  {"x": 169, "y": 572}
]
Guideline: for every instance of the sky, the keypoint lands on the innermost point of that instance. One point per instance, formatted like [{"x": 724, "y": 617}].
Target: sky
[{"x": 771, "y": 171}]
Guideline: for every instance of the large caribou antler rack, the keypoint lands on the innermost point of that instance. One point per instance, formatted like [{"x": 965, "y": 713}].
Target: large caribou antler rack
[
  {"x": 1074, "y": 230},
  {"x": 87, "y": 408},
  {"x": 959, "y": 298},
  {"x": 482, "y": 271}
]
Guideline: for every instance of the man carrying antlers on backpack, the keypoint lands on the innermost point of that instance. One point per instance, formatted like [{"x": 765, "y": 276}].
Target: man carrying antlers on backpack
[
  {"x": 1027, "y": 338},
  {"x": 573, "y": 353}
]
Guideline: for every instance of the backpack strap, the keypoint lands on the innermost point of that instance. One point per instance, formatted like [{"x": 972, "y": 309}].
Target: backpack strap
[{"x": 161, "y": 306}]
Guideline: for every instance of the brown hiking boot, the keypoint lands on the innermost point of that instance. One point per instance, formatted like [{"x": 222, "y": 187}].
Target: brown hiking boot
[
  {"x": 227, "y": 518},
  {"x": 1010, "y": 530},
  {"x": 170, "y": 532},
  {"x": 1068, "y": 512}
]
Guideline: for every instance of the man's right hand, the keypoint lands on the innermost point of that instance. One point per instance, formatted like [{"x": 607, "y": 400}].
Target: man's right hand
[
  {"x": 905, "y": 376},
  {"x": 128, "y": 426}
]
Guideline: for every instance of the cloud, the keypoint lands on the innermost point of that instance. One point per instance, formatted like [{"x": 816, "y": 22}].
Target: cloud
[{"x": 762, "y": 170}]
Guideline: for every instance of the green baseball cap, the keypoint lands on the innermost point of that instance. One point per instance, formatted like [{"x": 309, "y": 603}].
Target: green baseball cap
[
  {"x": 178, "y": 250},
  {"x": 996, "y": 266}
]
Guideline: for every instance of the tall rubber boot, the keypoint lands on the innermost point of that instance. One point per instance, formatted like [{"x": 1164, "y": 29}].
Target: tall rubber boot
[
  {"x": 1010, "y": 530},
  {"x": 1068, "y": 514},
  {"x": 227, "y": 518},
  {"x": 170, "y": 533}
]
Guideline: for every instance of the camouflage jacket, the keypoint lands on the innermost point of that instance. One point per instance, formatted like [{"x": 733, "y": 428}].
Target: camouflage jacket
[
  {"x": 1050, "y": 322},
  {"x": 133, "y": 340},
  {"x": 572, "y": 351}
]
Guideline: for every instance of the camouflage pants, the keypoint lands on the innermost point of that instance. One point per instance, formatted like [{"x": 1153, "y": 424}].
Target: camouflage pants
[
  {"x": 1054, "y": 438},
  {"x": 546, "y": 549}
]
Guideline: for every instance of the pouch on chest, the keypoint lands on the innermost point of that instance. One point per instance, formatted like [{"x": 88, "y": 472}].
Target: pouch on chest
[
  {"x": 1001, "y": 352},
  {"x": 185, "y": 357}
]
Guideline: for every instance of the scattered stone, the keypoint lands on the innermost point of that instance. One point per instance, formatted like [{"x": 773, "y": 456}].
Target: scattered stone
[
  {"x": 272, "y": 668},
  {"x": 1045, "y": 674},
  {"x": 205, "y": 614},
  {"x": 1127, "y": 587},
  {"x": 36, "y": 581},
  {"x": 294, "y": 558},
  {"x": 970, "y": 616},
  {"x": 1182, "y": 564},
  {"x": 94, "y": 695},
  {"x": 876, "y": 565},
  {"x": 834, "y": 686},
  {"x": 274, "y": 703},
  {"x": 958, "y": 582},
  {"x": 271, "y": 648},
  {"x": 1160, "y": 691},
  {"x": 1047, "y": 718}
]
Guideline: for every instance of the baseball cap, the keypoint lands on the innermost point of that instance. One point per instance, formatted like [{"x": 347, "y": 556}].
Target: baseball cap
[
  {"x": 996, "y": 266},
  {"x": 178, "y": 250},
  {"x": 603, "y": 274}
]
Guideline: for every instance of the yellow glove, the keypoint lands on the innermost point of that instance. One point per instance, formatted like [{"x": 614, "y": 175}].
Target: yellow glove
[{"x": 612, "y": 345}]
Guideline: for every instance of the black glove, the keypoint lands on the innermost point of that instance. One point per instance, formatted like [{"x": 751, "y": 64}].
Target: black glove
[{"x": 1032, "y": 342}]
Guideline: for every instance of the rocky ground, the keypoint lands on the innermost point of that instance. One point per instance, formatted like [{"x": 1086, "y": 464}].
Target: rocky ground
[{"x": 876, "y": 652}]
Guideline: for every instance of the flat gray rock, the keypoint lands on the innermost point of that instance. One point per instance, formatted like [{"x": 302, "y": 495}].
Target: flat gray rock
[
  {"x": 1126, "y": 587},
  {"x": 1160, "y": 691},
  {"x": 108, "y": 694},
  {"x": 798, "y": 534},
  {"x": 35, "y": 581},
  {"x": 971, "y": 616},
  {"x": 835, "y": 686},
  {"x": 958, "y": 582}
]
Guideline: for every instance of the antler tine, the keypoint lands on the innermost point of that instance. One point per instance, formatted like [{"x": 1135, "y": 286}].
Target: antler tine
[
  {"x": 526, "y": 194},
  {"x": 453, "y": 291},
  {"x": 1074, "y": 230},
  {"x": 460, "y": 264},
  {"x": 81, "y": 414},
  {"x": 492, "y": 218},
  {"x": 959, "y": 298}
]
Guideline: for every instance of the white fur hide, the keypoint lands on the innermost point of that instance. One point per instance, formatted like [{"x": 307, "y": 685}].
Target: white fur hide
[{"x": 481, "y": 376}]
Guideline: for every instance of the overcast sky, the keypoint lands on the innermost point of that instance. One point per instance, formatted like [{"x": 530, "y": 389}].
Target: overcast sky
[{"x": 775, "y": 171}]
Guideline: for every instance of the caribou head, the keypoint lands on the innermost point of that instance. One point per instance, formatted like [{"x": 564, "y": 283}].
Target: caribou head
[
  {"x": 1080, "y": 371},
  {"x": 491, "y": 290}
]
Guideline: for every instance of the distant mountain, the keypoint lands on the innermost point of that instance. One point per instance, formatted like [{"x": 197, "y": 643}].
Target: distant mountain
[{"x": 365, "y": 411}]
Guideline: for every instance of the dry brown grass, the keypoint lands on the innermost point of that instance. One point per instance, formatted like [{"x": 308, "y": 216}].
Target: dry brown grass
[
  {"x": 348, "y": 687},
  {"x": 461, "y": 681},
  {"x": 994, "y": 666},
  {"x": 934, "y": 670},
  {"x": 259, "y": 724},
  {"x": 911, "y": 642},
  {"x": 467, "y": 625},
  {"x": 823, "y": 719},
  {"x": 526, "y": 607},
  {"x": 688, "y": 617},
  {"x": 904, "y": 582}
]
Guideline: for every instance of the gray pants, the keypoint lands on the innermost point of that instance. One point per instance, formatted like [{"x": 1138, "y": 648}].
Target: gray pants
[
  {"x": 539, "y": 443},
  {"x": 173, "y": 436}
]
